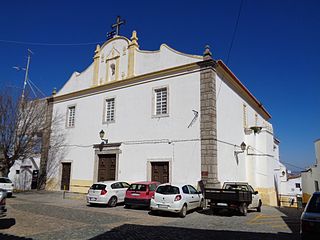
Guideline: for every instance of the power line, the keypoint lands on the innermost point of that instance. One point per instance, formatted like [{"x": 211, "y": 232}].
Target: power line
[
  {"x": 234, "y": 32},
  {"x": 232, "y": 41},
  {"x": 48, "y": 44}
]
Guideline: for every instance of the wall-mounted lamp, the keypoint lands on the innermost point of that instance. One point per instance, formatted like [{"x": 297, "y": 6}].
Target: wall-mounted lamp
[
  {"x": 243, "y": 147},
  {"x": 101, "y": 134}
]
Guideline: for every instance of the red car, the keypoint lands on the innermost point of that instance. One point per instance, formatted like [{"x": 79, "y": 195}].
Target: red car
[{"x": 140, "y": 193}]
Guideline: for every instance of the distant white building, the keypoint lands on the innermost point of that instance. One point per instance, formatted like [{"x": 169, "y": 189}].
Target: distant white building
[
  {"x": 289, "y": 187},
  {"x": 24, "y": 173},
  {"x": 311, "y": 176},
  {"x": 167, "y": 116}
]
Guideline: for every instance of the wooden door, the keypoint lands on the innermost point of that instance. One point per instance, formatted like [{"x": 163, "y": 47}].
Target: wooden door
[
  {"x": 160, "y": 172},
  {"x": 107, "y": 167},
  {"x": 65, "y": 178}
]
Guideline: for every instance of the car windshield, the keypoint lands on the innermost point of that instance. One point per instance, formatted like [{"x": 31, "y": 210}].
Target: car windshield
[
  {"x": 314, "y": 204},
  {"x": 137, "y": 187},
  {"x": 167, "y": 190},
  {"x": 5, "y": 180},
  {"x": 98, "y": 187}
]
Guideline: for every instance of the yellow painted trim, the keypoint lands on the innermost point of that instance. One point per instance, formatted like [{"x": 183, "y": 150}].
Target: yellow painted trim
[
  {"x": 96, "y": 63},
  {"x": 107, "y": 71},
  {"x": 117, "y": 69},
  {"x": 131, "y": 56}
]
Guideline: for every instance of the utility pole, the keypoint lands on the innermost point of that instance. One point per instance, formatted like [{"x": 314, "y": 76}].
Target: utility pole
[{"x": 26, "y": 75}]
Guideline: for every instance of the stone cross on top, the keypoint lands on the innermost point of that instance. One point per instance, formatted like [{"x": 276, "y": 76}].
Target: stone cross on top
[{"x": 117, "y": 24}]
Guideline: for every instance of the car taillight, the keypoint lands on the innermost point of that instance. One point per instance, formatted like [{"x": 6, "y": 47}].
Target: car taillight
[
  {"x": 177, "y": 198},
  {"x": 103, "y": 192}
]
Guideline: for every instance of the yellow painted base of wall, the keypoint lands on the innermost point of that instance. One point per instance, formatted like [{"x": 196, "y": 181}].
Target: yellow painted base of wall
[
  {"x": 305, "y": 198},
  {"x": 77, "y": 186},
  {"x": 268, "y": 196},
  {"x": 80, "y": 186},
  {"x": 53, "y": 184},
  {"x": 285, "y": 201}
]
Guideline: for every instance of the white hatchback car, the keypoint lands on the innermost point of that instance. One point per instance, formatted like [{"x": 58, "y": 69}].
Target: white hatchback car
[
  {"x": 6, "y": 184},
  {"x": 178, "y": 198},
  {"x": 108, "y": 192}
]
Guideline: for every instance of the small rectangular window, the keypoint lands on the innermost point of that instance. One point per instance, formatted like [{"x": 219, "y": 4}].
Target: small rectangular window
[
  {"x": 161, "y": 101},
  {"x": 297, "y": 185},
  {"x": 110, "y": 110},
  {"x": 71, "y": 116}
]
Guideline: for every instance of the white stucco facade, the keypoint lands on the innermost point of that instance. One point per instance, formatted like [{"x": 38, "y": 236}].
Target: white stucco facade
[
  {"x": 311, "y": 176},
  {"x": 140, "y": 137}
]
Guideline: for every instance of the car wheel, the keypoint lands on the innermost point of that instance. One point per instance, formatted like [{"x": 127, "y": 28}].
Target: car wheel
[
  {"x": 183, "y": 211},
  {"x": 243, "y": 209},
  {"x": 259, "y": 207},
  {"x": 113, "y": 201}
]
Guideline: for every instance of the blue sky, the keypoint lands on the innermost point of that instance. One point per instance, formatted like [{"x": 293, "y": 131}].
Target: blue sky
[{"x": 275, "y": 52}]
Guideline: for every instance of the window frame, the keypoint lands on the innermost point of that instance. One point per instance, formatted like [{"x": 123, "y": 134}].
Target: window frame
[
  {"x": 105, "y": 110},
  {"x": 154, "y": 102},
  {"x": 68, "y": 116}
]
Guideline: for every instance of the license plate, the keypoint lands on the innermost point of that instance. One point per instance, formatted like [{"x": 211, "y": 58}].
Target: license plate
[
  {"x": 93, "y": 199},
  {"x": 162, "y": 206},
  {"x": 222, "y": 204},
  {"x": 135, "y": 194}
]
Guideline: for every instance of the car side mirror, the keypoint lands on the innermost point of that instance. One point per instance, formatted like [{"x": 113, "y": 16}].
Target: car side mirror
[
  {"x": 255, "y": 192},
  {"x": 199, "y": 192}
]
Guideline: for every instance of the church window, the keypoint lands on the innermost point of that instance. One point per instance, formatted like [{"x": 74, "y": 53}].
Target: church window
[
  {"x": 110, "y": 109},
  {"x": 71, "y": 116},
  {"x": 161, "y": 101}
]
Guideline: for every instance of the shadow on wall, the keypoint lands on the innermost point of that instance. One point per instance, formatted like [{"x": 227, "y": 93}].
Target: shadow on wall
[{"x": 132, "y": 232}]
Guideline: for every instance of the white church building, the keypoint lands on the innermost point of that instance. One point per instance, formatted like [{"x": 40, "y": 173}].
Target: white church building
[{"x": 167, "y": 116}]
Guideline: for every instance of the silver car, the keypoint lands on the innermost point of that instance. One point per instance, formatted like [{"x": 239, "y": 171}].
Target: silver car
[
  {"x": 310, "y": 218},
  {"x": 6, "y": 184}
]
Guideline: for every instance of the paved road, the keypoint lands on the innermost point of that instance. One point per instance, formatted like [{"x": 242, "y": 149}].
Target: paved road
[{"x": 46, "y": 215}]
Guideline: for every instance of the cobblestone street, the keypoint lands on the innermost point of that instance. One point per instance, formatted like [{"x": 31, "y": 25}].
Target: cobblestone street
[{"x": 46, "y": 215}]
